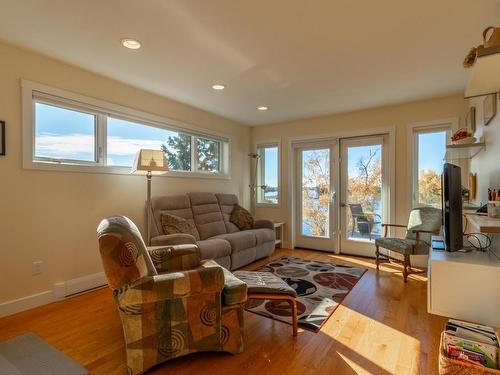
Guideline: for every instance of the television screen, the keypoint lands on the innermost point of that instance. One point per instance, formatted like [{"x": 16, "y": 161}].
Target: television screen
[{"x": 452, "y": 207}]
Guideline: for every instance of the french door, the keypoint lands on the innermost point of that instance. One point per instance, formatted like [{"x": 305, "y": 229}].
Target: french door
[
  {"x": 315, "y": 189},
  {"x": 364, "y": 190}
]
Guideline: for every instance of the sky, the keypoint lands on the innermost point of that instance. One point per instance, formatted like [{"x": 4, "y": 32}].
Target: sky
[{"x": 67, "y": 134}]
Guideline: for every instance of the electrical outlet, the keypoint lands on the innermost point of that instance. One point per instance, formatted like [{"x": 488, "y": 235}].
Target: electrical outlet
[{"x": 36, "y": 267}]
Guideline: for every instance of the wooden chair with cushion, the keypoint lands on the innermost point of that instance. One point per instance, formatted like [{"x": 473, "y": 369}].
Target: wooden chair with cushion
[{"x": 422, "y": 224}]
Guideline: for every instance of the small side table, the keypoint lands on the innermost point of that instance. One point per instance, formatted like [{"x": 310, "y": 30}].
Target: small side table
[{"x": 278, "y": 228}]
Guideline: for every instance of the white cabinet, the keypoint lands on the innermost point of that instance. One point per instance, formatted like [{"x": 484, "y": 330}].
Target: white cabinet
[{"x": 464, "y": 286}]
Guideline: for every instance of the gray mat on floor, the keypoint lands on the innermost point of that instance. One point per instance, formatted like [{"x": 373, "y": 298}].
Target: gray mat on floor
[{"x": 28, "y": 354}]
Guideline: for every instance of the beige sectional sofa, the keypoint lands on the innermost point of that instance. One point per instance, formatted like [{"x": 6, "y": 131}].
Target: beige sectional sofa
[{"x": 219, "y": 239}]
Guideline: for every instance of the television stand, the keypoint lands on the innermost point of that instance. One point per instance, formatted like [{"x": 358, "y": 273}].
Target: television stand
[{"x": 464, "y": 286}]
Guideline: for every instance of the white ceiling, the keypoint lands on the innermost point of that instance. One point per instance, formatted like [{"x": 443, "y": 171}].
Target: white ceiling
[{"x": 301, "y": 58}]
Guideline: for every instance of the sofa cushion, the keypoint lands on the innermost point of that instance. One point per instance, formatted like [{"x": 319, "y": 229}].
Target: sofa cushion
[
  {"x": 177, "y": 205},
  {"x": 239, "y": 240},
  {"x": 172, "y": 224},
  {"x": 214, "y": 248},
  {"x": 227, "y": 203},
  {"x": 241, "y": 218},
  {"x": 263, "y": 235},
  {"x": 207, "y": 215}
]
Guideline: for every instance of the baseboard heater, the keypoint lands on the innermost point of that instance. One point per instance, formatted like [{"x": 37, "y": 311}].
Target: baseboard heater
[{"x": 79, "y": 285}]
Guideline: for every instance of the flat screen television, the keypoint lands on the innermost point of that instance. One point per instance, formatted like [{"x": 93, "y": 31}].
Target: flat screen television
[{"x": 452, "y": 207}]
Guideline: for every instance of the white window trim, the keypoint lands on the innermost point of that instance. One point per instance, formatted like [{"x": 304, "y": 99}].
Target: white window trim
[
  {"x": 29, "y": 88},
  {"x": 448, "y": 124},
  {"x": 260, "y": 145}
]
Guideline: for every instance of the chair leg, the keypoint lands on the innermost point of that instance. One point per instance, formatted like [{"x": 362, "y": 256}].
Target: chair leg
[
  {"x": 405, "y": 267},
  {"x": 377, "y": 253},
  {"x": 293, "y": 302}
]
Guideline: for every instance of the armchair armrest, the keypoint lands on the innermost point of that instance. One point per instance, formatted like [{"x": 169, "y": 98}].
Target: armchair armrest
[
  {"x": 175, "y": 258},
  {"x": 263, "y": 223},
  {"x": 151, "y": 289},
  {"x": 173, "y": 239},
  {"x": 395, "y": 225},
  {"x": 386, "y": 227}
]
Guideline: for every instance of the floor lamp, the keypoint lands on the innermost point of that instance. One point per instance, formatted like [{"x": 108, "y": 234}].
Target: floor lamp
[{"x": 149, "y": 163}]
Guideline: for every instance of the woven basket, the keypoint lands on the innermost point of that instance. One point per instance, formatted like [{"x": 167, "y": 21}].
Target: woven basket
[{"x": 448, "y": 366}]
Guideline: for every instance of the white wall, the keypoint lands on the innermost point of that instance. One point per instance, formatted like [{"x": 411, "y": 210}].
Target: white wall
[{"x": 52, "y": 216}]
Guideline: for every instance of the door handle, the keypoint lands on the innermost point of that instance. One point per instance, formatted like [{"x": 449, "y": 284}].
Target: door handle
[
  {"x": 333, "y": 194},
  {"x": 343, "y": 205}
]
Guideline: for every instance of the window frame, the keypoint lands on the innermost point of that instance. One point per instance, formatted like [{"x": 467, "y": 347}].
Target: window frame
[
  {"x": 33, "y": 92},
  {"x": 447, "y": 125},
  {"x": 260, "y": 146}
]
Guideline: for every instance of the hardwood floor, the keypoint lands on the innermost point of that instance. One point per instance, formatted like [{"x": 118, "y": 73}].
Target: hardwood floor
[{"x": 381, "y": 327}]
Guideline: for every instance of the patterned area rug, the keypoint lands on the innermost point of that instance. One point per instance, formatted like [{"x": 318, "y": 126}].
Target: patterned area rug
[{"x": 320, "y": 288}]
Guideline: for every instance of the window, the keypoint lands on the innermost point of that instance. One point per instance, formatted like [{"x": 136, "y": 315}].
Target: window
[
  {"x": 64, "y": 134},
  {"x": 74, "y": 133},
  {"x": 429, "y": 153},
  {"x": 268, "y": 174}
]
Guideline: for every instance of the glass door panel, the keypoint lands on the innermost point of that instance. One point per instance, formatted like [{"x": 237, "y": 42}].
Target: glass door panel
[
  {"x": 363, "y": 194},
  {"x": 315, "y": 189},
  {"x": 315, "y": 198}
]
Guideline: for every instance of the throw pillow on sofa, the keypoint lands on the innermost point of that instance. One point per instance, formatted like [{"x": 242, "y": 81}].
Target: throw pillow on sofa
[
  {"x": 241, "y": 218},
  {"x": 174, "y": 224}
]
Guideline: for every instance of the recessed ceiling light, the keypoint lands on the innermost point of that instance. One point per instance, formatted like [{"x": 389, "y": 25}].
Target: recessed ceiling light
[
  {"x": 131, "y": 43},
  {"x": 262, "y": 108},
  {"x": 218, "y": 86}
]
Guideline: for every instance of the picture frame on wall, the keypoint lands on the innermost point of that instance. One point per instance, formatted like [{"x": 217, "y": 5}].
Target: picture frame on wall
[
  {"x": 470, "y": 120},
  {"x": 489, "y": 108},
  {"x": 2, "y": 137}
]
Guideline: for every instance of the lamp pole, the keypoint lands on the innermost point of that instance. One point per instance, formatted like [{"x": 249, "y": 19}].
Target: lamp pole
[{"x": 149, "y": 208}]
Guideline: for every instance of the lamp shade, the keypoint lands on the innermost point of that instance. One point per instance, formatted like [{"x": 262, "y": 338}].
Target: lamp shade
[{"x": 150, "y": 161}]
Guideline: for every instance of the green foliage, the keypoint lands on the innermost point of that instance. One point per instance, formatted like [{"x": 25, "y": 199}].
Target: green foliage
[
  {"x": 208, "y": 155},
  {"x": 178, "y": 152}
]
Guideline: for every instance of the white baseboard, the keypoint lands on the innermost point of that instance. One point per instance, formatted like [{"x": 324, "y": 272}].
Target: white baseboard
[
  {"x": 78, "y": 285},
  {"x": 59, "y": 291},
  {"x": 26, "y": 303}
]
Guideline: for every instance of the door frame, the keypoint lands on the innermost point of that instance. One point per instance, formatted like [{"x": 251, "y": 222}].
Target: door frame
[
  {"x": 331, "y": 144},
  {"x": 347, "y": 246},
  {"x": 290, "y": 184}
]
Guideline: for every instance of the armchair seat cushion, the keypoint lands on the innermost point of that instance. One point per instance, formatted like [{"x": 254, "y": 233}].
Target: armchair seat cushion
[
  {"x": 402, "y": 245},
  {"x": 239, "y": 240}
]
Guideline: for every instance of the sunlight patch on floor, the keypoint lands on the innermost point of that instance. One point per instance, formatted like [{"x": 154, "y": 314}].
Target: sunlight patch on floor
[{"x": 374, "y": 341}]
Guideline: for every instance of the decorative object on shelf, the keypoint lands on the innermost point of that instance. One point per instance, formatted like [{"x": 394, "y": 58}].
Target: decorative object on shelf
[
  {"x": 489, "y": 108},
  {"x": 2, "y": 137},
  {"x": 470, "y": 120},
  {"x": 465, "y": 193},
  {"x": 462, "y": 136},
  {"x": 149, "y": 162},
  {"x": 483, "y": 60},
  {"x": 492, "y": 41}
]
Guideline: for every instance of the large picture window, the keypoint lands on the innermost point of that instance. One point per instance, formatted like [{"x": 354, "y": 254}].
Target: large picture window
[
  {"x": 429, "y": 153},
  {"x": 70, "y": 134},
  {"x": 268, "y": 174}
]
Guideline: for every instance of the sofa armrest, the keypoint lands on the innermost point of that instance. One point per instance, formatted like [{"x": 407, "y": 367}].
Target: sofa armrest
[
  {"x": 151, "y": 289},
  {"x": 173, "y": 239},
  {"x": 175, "y": 258},
  {"x": 263, "y": 223}
]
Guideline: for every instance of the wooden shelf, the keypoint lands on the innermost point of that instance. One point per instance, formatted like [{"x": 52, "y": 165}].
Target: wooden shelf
[
  {"x": 464, "y": 151},
  {"x": 485, "y": 224}
]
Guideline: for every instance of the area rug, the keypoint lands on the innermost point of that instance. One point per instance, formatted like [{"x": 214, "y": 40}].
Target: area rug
[
  {"x": 28, "y": 354},
  {"x": 320, "y": 287}
]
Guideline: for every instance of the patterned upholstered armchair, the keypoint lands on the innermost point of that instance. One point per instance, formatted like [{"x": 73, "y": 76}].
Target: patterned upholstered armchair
[
  {"x": 422, "y": 224},
  {"x": 189, "y": 307}
]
